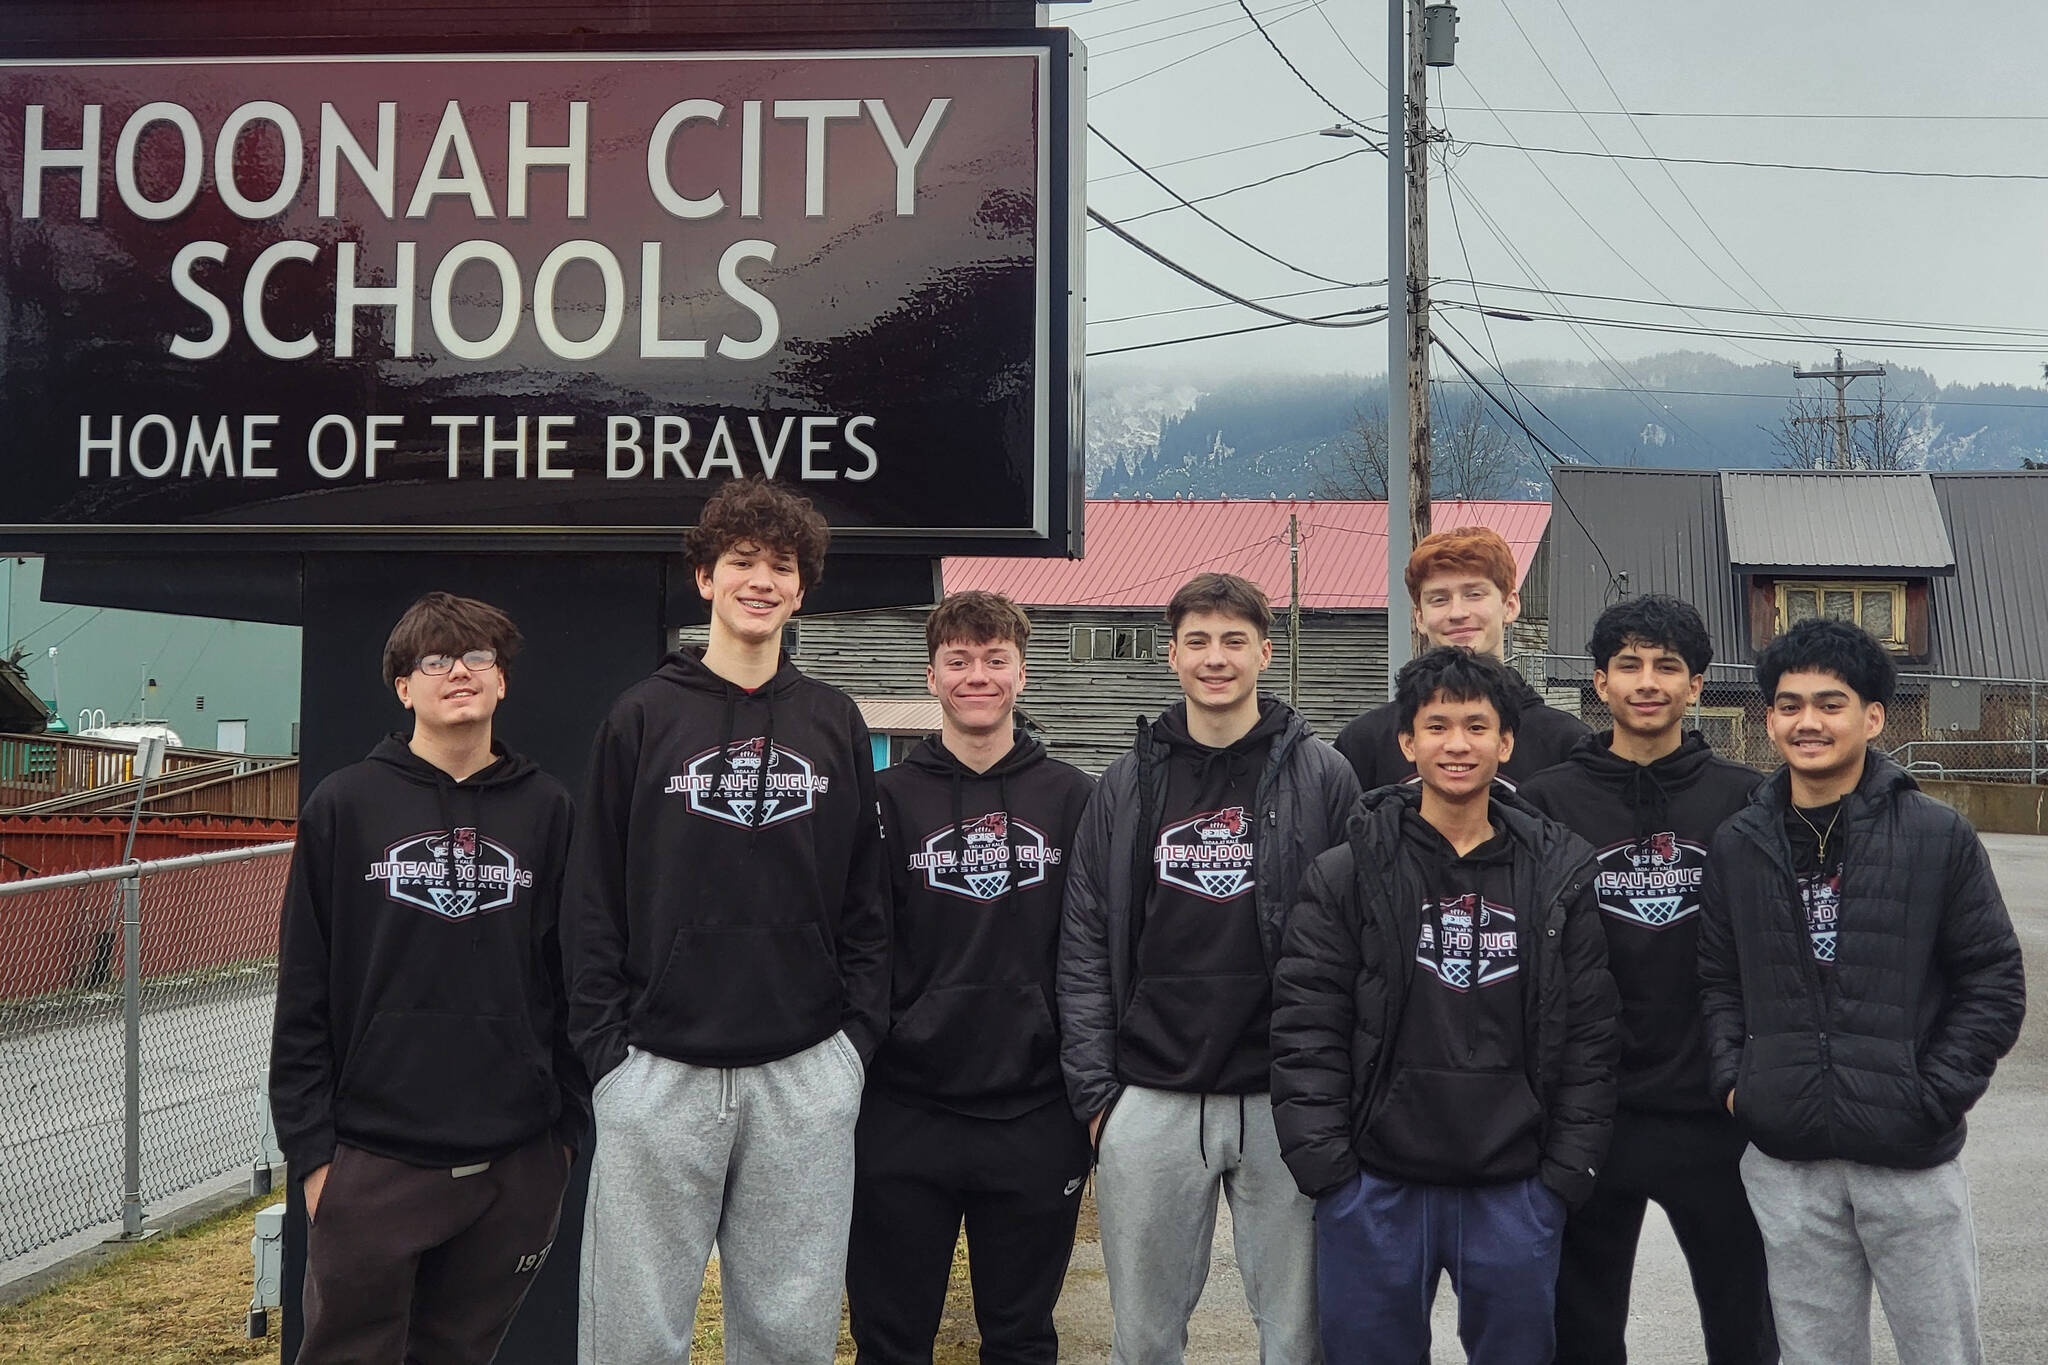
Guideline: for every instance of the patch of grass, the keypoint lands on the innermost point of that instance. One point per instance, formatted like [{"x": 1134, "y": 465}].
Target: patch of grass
[{"x": 181, "y": 1298}]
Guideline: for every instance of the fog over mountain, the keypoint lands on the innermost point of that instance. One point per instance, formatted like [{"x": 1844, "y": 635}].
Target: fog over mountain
[{"x": 1162, "y": 433}]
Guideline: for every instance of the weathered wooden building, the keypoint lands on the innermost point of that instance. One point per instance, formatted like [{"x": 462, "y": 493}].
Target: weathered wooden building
[{"x": 1097, "y": 660}]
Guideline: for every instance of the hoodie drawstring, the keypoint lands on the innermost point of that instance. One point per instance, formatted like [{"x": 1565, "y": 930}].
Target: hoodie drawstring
[
  {"x": 767, "y": 762},
  {"x": 1011, "y": 861}
]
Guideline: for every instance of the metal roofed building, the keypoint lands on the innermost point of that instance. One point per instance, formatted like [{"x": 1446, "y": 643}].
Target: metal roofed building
[
  {"x": 1097, "y": 659},
  {"x": 1949, "y": 569}
]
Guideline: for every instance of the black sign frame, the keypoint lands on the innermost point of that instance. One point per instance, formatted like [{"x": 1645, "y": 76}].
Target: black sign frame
[{"x": 1058, "y": 469}]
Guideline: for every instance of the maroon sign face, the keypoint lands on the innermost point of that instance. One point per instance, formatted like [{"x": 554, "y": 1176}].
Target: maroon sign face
[{"x": 314, "y": 297}]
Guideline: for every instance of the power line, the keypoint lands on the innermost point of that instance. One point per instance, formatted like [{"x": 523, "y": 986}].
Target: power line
[
  {"x": 1515, "y": 393},
  {"x": 1756, "y": 165},
  {"x": 1331, "y": 25},
  {"x": 1728, "y": 334},
  {"x": 1177, "y": 268},
  {"x": 1205, "y": 307},
  {"x": 1757, "y": 114},
  {"x": 1612, "y": 579},
  {"x": 1212, "y": 222},
  {"x": 1154, "y": 23},
  {"x": 1288, "y": 61},
  {"x": 1250, "y": 185},
  {"x": 1934, "y": 399},
  {"x": 1626, "y": 174},
  {"x": 1669, "y": 177},
  {"x": 1458, "y": 227},
  {"x": 1605, "y": 358},
  {"x": 1208, "y": 156},
  {"x": 1983, "y": 330},
  {"x": 1567, "y": 201},
  {"x": 1303, "y": 8},
  {"x": 1234, "y": 332}
]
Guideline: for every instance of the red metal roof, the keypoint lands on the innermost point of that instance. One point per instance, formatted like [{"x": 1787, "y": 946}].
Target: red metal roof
[{"x": 1139, "y": 552}]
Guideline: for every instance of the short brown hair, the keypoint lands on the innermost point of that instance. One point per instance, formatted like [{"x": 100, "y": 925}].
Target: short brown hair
[
  {"x": 1225, "y": 594},
  {"x": 442, "y": 623},
  {"x": 975, "y": 618},
  {"x": 767, "y": 514},
  {"x": 1462, "y": 549}
]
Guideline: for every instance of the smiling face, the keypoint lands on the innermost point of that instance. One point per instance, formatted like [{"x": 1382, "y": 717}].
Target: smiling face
[
  {"x": 1649, "y": 688},
  {"x": 1822, "y": 728},
  {"x": 1218, "y": 659},
  {"x": 977, "y": 685},
  {"x": 451, "y": 701},
  {"x": 1465, "y": 609},
  {"x": 1457, "y": 746},
  {"x": 753, "y": 590}
]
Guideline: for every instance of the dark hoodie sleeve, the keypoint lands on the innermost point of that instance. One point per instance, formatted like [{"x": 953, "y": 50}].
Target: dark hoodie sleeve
[
  {"x": 302, "y": 1066},
  {"x": 1720, "y": 971},
  {"x": 1087, "y": 1006},
  {"x": 572, "y": 1129},
  {"x": 1314, "y": 1023},
  {"x": 1979, "y": 960},
  {"x": 1581, "y": 1121},
  {"x": 864, "y": 915},
  {"x": 593, "y": 907}
]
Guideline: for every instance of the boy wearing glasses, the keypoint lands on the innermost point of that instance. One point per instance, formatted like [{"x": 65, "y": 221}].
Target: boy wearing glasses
[{"x": 420, "y": 1074}]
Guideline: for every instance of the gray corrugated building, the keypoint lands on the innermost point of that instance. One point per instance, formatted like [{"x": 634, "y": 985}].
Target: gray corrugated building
[{"x": 1949, "y": 569}]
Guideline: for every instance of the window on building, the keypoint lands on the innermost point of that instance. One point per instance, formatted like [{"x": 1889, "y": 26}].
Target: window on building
[
  {"x": 1879, "y": 608},
  {"x": 1113, "y": 642},
  {"x": 1722, "y": 726}
]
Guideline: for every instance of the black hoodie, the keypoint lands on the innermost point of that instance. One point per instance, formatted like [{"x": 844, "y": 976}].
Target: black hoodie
[
  {"x": 1543, "y": 737},
  {"x": 1651, "y": 825},
  {"x": 1202, "y": 996},
  {"x": 726, "y": 905},
  {"x": 420, "y": 1004},
  {"x": 970, "y": 953}
]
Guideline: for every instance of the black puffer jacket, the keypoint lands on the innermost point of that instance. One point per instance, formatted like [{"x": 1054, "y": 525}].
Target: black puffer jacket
[
  {"x": 1349, "y": 960},
  {"x": 1303, "y": 797},
  {"x": 1880, "y": 1064}
]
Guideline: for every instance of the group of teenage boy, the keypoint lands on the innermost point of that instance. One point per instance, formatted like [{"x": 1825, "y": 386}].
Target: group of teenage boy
[{"x": 1458, "y": 995}]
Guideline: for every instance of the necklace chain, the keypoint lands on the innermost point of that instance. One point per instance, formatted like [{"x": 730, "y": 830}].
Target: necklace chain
[{"x": 1818, "y": 833}]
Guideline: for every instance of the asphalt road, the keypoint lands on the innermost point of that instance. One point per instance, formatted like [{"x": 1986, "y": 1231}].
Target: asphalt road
[
  {"x": 205, "y": 1051},
  {"x": 2008, "y": 1183}
]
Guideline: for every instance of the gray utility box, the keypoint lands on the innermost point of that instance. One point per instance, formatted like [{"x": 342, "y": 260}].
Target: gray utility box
[{"x": 266, "y": 1249}]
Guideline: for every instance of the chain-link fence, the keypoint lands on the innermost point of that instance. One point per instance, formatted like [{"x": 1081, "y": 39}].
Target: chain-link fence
[
  {"x": 135, "y": 1011},
  {"x": 1938, "y": 725}
]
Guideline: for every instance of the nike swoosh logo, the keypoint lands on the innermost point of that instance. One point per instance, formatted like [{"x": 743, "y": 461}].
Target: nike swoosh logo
[{"x": 1075, "y": 1183}]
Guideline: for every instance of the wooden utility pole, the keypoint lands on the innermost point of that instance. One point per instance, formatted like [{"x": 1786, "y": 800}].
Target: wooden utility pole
[
  {"x": 1293, "y": 611},
  {"x": 1840, "y": 376},
  {"x": 1417, "y": 147}
]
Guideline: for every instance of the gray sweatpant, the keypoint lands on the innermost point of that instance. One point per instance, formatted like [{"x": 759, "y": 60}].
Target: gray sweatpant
[
  {"x": 1164, "y": 1155},
  {"x": 1831, "y": 1228},
  {"x": 758, "y": 1159}
]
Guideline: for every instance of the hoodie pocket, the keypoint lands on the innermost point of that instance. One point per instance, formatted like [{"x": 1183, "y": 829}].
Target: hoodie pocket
[
  {"x": 742, "y": 992},
  {"x": 1182, "y": 1030},
  {"x": 982, "y": 1039},
  {"x": 1459, "y": 1126},
  {"x": 442, "y": 1081}
]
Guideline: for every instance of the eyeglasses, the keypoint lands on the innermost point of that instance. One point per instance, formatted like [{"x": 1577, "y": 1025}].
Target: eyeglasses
[{"x": 476, "y": 661}]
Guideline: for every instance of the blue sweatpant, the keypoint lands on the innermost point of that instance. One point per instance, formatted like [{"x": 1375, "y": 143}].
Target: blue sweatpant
[{"x": 1380, "y": 1245}]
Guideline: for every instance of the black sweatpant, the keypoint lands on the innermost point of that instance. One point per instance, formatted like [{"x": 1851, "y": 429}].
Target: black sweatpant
[
  {"x": 1689, "y": 1165},
  {"x": 423, "y": 1266},
  {"x": 1016, "y": 1183}
]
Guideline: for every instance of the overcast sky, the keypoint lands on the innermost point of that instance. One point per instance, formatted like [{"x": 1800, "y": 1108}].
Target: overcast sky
[{"x": 1890, "y": 77}]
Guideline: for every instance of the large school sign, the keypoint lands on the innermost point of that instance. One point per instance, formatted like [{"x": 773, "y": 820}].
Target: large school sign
[{"x": 338, "y": 300}]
